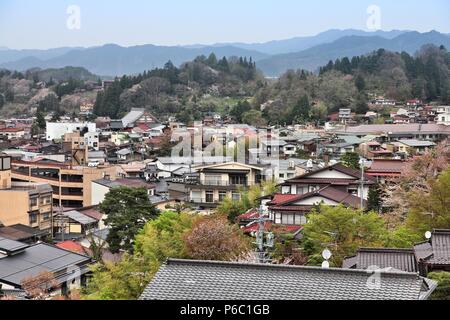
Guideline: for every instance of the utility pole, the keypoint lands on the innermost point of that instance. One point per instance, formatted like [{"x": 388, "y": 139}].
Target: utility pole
[
  {"x": 362, "y": 162},
  {"x": 261, "y": 242}
]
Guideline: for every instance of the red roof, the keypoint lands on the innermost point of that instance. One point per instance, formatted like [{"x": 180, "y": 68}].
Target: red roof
[
  {"x": 251, "y": 214},
  {"x": 71, "y": 246},
  {"x": 282, "y": 198},
  {"x": 11, "y": 129}
]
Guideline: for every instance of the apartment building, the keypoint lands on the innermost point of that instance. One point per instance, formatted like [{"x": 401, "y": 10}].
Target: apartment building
[
  {"x": 217, "y": 182},
  {"x": 71, "y": 185},
  {"x": 24, "y": 203}
]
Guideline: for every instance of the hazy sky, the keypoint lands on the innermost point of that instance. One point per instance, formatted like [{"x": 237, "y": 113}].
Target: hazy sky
[{"x": 43, "y": 23}]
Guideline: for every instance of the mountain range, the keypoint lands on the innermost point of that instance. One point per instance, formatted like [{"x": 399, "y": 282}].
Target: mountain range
[{"x": 272, "y": 58}]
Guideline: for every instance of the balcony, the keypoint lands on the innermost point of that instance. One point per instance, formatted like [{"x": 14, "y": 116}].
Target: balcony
[{"x": 204, "y": 201}]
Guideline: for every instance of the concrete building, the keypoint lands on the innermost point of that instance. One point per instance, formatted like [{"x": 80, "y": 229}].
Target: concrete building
[
  {"x": 57, "y": 130},
  {"x": 71, "y": 184},
  {"x": 24, "y": 203}
]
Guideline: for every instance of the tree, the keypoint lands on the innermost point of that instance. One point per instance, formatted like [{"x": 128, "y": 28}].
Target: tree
[
  {"x": 160, "y": 239},
  {"x": 241, "y": 108},
  {"x": 127, "y": 210},
  {"x": 442, "y": 292},
  {"x": 360, "y": 83},
  {"x": 416, "y": 177},
  {"x": 351, "y": 160},
  {"x": 301, "y": 112},
  {"x": 342, "y": 230},
  {"x": 254, "y": 118},
  {"x": 430, "y": 210},
  {"x": 374, "y": 200},
  {"x": 39, "y": 287},
  {"x": 40, "y": 120},
  {"x": 214, "y": 238}
]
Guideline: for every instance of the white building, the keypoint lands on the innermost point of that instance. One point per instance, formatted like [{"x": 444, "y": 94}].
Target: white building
[{"x": 57, "y": 130}]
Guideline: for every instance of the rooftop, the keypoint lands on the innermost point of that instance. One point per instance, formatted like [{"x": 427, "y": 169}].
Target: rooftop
[{"x": 211, "y": 280}]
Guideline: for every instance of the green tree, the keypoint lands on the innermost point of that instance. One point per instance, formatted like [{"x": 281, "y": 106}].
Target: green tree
[
  {"x": 254, "y": 118},
  {"x": 342, "y": 230},
  {"x": 240, "y": 109},
  {"x": 442, "y": 292},
  {"x": 159, "y": 239},
  {"x": 127, "y": 210},
  {"x": 430, "y": 210},
  {"x": 351, "y": 160},
  {"x": 301, "y": 112},
  {"x": 374, "y": 199},
  {"x": 40, "y": 120},
  {"x": 360, "y": 83}
]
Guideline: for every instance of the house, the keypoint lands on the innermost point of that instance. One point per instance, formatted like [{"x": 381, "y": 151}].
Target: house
[
  {"x": 19, "y": 261},
  {"x": 345, "y": 115},
  {"x": 382, "y": 258},
  {"x": 434, "y": 254},
  {"x": 373, "y": 150},
  {"x": 101, "y": 187},
  {"x": 72, "y": 224},
  {"x": 338, "y": 176},
  {"x": 386, "y": 169},
  {"x": 213, "y": 280},
  {"x": 392, "y": 132},
  {"x": 12, "y": 133},
  {"x": 23, "y": 233},
  {"x": 291, "y": 209},
  {"x": 57, "y": 130},
  {"x": 413, "y": 147},
  {"x": 137, "y": 116},
  {"x": 224, "y": 180}
]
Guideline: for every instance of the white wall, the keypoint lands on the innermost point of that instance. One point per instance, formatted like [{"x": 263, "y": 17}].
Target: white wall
[
  {"x": 56, "y": 130},
  {"x": 98, "y": 193}
]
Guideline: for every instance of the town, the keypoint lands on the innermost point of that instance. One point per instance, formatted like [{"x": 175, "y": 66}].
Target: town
[{"x": 312, "y": 168}]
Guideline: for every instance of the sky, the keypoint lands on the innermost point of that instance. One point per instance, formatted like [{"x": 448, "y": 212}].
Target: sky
[{"x": 56, "y": 23}]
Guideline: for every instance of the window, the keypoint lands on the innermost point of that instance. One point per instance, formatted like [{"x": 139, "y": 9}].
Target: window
[
  {"x": 33, "y": 218},
  {"x": 236, "y": 196},
  {"x": 33, "y": 202},
  {"x": 209, "y": 196},
  {"x": 222, "y": 195},
  {"x": 46, "y": 217},
  {"x": 238, "y": 180}
]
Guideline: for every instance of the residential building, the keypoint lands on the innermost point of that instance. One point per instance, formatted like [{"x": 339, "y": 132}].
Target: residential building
[
  {"x": 101, "y": 187},
  {"x": 345, "y": 115},
  {"x": 412, "y": 147},
  {"x": 393, "y": 132},
  {"x": 12, "y": 133},
  {"x": 219, "y": 181},
  {"x": 338, "y": 176},
  {"x": 57, "y": 130},
  {"x": 434, "y": 254},
  {"x": 24, "y": 203},
  {"x": 210, "y": 280},
  {"x": 19, "y": 261},
  {"x": 71, "y": 184}
]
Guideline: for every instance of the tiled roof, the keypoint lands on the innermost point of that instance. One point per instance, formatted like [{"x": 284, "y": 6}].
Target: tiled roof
[
  {"x": 327, "y": 192},
  {"x": 71, "y": 246},
  {"x": 399, "y": 259},
  {"x": 437, "y": 250},
  {"x": 208, "y": 280},
  {"x": 397, "y": 128},
  {"x": 386, "y": 165}
]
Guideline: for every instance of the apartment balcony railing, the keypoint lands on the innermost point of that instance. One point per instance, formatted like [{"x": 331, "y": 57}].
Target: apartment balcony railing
[
  {"x": 217, "y": 183},
  {"x": 203, "y": 200}
]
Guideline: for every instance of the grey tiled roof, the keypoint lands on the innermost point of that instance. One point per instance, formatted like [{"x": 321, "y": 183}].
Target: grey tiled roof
[
  {"x": 207, "y": 280},
  {"x": 437, "y": 250},
  {"x": 399, "y": 259}
]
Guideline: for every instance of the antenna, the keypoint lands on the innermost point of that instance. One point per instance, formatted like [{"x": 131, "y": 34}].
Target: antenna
[{"x": 326, "y": 254}]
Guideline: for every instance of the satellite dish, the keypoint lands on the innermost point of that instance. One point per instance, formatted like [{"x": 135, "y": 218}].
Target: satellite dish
[
  {"x": 428, "y": 235},
  {"x": 325, "y": 265},
  {"x": 326, "y": 254}
]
